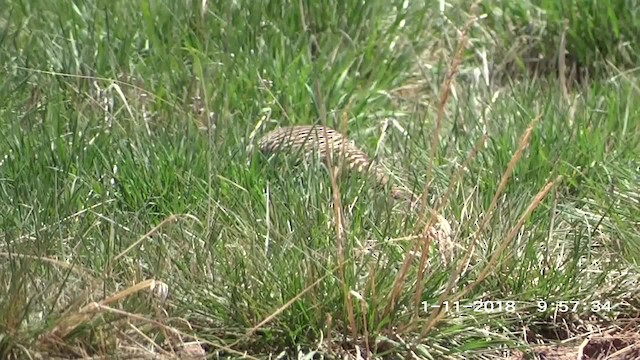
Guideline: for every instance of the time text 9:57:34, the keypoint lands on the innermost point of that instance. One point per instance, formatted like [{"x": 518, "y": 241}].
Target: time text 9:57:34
[{"x": 511, "y": 306}]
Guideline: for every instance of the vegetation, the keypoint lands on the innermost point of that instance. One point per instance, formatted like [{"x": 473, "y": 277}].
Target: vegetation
[{"x": 127, "y": 170}]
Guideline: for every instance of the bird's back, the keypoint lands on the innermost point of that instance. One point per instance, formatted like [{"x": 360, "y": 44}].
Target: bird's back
[{"x": 310, "y": 140}]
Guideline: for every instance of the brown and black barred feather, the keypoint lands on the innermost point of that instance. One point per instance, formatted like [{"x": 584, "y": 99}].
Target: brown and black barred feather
[{"x": 310, "y": 140}]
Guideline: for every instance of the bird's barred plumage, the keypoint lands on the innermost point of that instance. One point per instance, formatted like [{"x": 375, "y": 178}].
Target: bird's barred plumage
[{"x": 310, "y": 140}]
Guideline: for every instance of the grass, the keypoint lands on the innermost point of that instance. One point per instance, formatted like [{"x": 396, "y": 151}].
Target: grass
[{"x": 127, "y": 166}]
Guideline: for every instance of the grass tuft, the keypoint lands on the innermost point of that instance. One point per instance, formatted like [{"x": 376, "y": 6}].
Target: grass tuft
[{"x": 138, "y": 219}]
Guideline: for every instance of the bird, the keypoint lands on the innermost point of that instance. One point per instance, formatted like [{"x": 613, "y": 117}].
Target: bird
[
  {"x": 310, "y": 140},
  {"x": 325, "y": 142}
]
